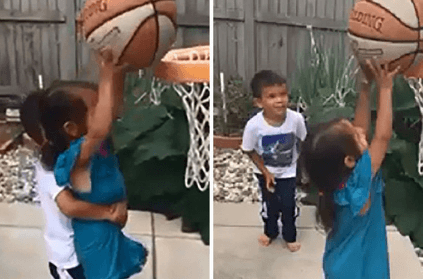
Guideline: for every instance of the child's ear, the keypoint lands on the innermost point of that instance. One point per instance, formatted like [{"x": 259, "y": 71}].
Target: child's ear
[
  {"x": 71, "y": 129},
  {"x": 349, "y": 161},
  {"x": 257, "y": 102}
]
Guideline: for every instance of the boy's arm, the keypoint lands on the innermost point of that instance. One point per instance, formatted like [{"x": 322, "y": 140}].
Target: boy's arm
[
  {"x": 249, "y": 141},
  {"x": 75, "y": 208},
  {"x": 258, "y": 161}
]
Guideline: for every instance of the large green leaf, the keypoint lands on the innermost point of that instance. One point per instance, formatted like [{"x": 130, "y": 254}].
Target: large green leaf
[
  {"x": 137, "y": 122},
  {"x": 327, "y": 114},
  {"x": 405, "y": 207},
  {"x": 171, "y": 139},
  {"x": 409, "y": 158}
]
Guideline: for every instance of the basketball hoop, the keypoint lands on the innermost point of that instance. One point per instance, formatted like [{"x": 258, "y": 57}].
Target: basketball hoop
[
  {"x": 414, "y": 78},
  {"x": 188, "y": 70}
]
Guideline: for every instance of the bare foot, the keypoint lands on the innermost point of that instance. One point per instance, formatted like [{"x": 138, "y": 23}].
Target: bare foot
[
  {"x": 264, "y": 240},
  {"x": 293, "y": 246}
]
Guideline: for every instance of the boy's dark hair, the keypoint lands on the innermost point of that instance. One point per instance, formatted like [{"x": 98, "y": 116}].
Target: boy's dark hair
[
  {"x": 30, "y": 117},
  {"x": 265, "y": 78},
  {"x": 322, "y": 155},
  {"x": 46, "y": 111}
]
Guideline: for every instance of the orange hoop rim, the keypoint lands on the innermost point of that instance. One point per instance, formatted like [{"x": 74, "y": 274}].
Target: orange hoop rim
[{"x": 185, "y": 65}]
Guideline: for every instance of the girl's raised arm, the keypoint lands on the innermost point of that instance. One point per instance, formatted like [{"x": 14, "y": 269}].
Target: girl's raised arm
[
  {"x": 383, "y": 130},
  {"x": 99, "y": 122}
]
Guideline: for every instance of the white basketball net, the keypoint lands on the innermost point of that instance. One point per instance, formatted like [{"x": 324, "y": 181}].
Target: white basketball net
[
  {"x": 196, "y": 101},
  {"x": 417, "y": 85}
]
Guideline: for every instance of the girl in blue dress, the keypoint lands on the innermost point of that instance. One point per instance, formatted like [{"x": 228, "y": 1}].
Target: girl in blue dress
[
  {"x": 346, "y": 170},
  {"x": 77, "y": 121}
]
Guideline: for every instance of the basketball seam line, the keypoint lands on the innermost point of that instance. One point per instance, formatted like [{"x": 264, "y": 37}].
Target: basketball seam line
[
  {"x": 396, "y": 17},
  {"x": 118, "y": 14},
  {"x": 380, "y": 40},
  {"x": 133, "y": 35},
  {"x": 156, "y": 19},
  {"x": 418, "y": 34}
]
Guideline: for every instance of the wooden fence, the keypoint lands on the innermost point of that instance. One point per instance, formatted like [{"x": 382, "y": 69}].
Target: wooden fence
[
  {"x": 37, "y": 37},
  {"x": 253, "y": 35}
]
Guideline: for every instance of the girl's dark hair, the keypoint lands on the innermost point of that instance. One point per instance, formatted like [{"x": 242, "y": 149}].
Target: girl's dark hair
[
  {"x": 265, "y": 78},
  {"x": 322, "y": 155},
  {"x": 51, "y": 109}
]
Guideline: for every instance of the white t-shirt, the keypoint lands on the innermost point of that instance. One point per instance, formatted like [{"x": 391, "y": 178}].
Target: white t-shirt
[
  {"x": 58, "y": 232},
  {"x": 278, "y": 146}
]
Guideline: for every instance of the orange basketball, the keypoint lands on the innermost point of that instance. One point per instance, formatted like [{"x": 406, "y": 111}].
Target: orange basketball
[
  {"x": 388, "y": 30},
  {"x": 139, "y": 32}
]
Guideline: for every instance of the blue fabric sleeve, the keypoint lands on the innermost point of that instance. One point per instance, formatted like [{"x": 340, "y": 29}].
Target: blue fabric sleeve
[
  {"x": 357, "y": 190},
  {"x": 66, "y": 161}
]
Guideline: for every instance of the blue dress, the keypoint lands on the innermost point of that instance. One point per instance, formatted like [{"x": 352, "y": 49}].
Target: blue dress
[
  {"x": 357, "y": 245},
  {"x": 102, "y": 249}
]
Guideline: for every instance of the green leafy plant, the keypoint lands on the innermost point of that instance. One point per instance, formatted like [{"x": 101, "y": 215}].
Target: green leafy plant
[
  {"x": 324, "y": 86},
  {"x": 152, "y": 141},
  {"x": 239, "y": 103}
]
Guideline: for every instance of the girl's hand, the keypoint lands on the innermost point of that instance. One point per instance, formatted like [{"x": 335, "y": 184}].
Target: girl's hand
[
  {"x": 107, "y": 62},
  {"x": 383, "y": 77}
]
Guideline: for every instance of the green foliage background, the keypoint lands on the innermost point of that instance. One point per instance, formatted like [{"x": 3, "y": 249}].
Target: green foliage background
[
  {"x": 324, "y": 84},
  {"x": 152, "y": 142}
]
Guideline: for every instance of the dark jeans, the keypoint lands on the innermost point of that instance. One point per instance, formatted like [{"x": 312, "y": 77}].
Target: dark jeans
[
  {"x": 75, "y": 273},
  {"x": 281, "y": 201}
]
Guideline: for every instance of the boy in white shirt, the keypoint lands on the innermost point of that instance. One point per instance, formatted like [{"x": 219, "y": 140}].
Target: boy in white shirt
[
  {"x": 59, "y": 205},
  {"x": 271, "y": 139}
]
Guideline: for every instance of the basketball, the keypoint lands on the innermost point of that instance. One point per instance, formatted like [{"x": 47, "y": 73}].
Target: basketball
[
  {"x": 139, "y": 32},
  {"x": 388, "y": 30}
]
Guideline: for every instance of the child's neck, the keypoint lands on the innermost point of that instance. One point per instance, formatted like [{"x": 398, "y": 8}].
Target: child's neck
[{"x": 275, "y": 120}]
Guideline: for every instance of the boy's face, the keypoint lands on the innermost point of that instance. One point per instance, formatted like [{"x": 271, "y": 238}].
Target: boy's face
[{"x": 274, "y": 100}]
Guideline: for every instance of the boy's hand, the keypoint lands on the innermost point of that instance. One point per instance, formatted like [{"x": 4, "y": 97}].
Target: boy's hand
[
  {"x": 383, "y": 77},
  {"x": 269, "y": 178},
  {"x": 119, "y": 213}
]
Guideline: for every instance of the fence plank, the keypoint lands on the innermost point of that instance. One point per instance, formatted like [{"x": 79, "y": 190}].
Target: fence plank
[
  {"x": 241, "y": 68},
  {"x": 311, "y": 8},
  {"x": 283, "y": 7},
  {"x": 67, "y": 46},
  {"x": 262, "y": 53},
  {"x": 339, "y": 9},
  {"x": 223, "y": 45},
  {"x": 321, "y": 8},
  {"x": 4, "y": 57},
  {"x": 232, "y": 48},
  {"x": 330, "y": 9},
  {"x": 11, "y": 54},
  {"x": 249, "y": 40},
  {"x": 292, "y": 7},
  {"x": 302, "y": 8}
]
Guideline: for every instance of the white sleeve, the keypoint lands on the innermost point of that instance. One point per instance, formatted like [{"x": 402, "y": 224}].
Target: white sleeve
[
  {"x": 51, "y": 186},
  {"x": 301, "y": 128},
  {"x": 250, "y": 136}
]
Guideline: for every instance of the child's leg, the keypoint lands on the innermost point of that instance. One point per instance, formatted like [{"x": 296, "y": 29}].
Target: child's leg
[
  {"x": 76, "y": 272},
  {"x": 269, "y": 212},
  {"x": 286, "y": 193}
]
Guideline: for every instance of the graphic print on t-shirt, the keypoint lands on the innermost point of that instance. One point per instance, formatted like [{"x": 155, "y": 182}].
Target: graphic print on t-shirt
[{"x": 278, "y": 149}]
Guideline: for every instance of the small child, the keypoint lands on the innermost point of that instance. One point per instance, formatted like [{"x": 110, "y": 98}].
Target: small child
[
  {"x": 59, "y": 204},
  {"x": 77, "y": 123},
  {"x": 346, "y": 170},
  {"x": 271, "y": 139}
]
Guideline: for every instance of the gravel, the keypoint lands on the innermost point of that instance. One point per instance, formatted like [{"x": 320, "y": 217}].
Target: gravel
[{"x": 17, "y": 176}]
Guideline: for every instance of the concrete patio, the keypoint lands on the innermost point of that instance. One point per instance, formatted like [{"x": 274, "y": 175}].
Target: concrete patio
[
  {"x": 173, "y": 255},
  {"x": 237, "y": 254}
]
